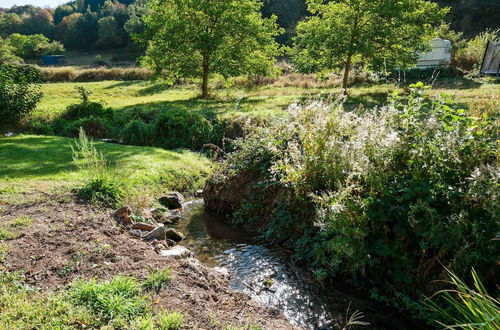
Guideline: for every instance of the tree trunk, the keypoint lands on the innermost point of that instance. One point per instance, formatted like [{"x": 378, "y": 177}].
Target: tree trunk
[
  {"x": 204, "y": 82},
  {"x": 345, "y": 82}
]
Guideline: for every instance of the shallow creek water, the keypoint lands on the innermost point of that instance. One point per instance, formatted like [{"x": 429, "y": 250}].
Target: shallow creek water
[{"x": 268, "y": 276}]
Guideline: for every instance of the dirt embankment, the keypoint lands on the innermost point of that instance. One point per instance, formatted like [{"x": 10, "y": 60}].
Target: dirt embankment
[{"x": 68, "y": 241}]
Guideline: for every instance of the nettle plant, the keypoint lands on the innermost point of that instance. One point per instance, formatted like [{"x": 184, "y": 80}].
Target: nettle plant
[{"x": 390, "y": 195}]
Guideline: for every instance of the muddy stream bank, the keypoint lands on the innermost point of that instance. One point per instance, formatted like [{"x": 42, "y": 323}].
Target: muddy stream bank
[{"x": 269, "y": 277}]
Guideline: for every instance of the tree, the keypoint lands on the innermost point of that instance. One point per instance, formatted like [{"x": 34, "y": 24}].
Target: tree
[
  {"x": 382, "y": 34},
  {"x": 34, "y": 46},
  {"x": 7, "y": 53},
  {"x": 197, "y": 38},
  {"x": 19, "y": 92},
  {"x": 110, "y": 34}
]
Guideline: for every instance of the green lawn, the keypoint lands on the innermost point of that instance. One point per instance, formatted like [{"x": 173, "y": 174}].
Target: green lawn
[
  {"x": 148, "y": 97},
  {"x": 32, "y": 162}
]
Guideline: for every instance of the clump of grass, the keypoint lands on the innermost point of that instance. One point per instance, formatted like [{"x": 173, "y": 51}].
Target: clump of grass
[
  {"x": 103, "y": 185},
  {"x": 118, "y": 301},
  {"x": 467, "y": 307},
  {"x": 157, "y": 279},
  {"x": 170, "y": 321}
]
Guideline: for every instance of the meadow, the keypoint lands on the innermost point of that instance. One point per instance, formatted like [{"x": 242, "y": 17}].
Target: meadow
[{"x": 260, "y": 101}]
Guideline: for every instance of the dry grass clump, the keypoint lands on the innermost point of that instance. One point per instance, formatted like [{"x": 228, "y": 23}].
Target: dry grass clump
[{"x": 76, "y": 74}]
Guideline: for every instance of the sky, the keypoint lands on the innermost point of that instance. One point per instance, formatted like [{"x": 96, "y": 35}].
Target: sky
[{"x": 38, "y": 3}]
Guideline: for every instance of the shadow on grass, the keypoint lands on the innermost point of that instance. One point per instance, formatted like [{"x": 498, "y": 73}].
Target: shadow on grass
[
  {"x": 44, "y": 156},
  {"x": 207, "y": 107}
]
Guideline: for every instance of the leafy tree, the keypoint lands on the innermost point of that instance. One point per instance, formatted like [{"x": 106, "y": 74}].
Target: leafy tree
[
  {"x": 34, "y": 46},
  {"x": 10, "y": 23},
  {"x": 19, "y": 92},
  {"x": 135, "y": 23},
  {"x": 379, "y": 33},
  {"x": 7, "y": 53},
  {"x": 196, "y": 38},
  {"x": 63, "y": 11},
  {"x": 41, "y": 22},
  {"x": 110, "y": 34}
]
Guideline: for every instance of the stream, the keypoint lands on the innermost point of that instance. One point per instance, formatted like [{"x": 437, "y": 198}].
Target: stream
[{"x": 269, "y": 278}]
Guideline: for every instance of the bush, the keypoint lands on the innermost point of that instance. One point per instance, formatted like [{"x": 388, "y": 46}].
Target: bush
[
  {"x": 170, "y": 321},
  {"x": 19, "y": 92},
  {"x": 183, "y": 129},
  {"x": 137, "y": 133},
  {"x": 383, "y": 198},
  {"x": 471, "y": 55}
]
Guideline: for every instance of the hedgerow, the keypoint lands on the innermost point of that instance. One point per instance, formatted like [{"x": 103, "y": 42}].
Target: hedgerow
[{"x": 383, "y": 198}]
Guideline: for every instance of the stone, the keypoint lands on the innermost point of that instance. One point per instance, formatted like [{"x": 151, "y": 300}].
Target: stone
[
  {"x": 144, "y": 226},
  {"x": 177, "y": 252},
  {"x": 123, "y": 215},
  {"x": 172, "y": 201},
  {"x": 221, "y": 270},
  {"x": 170, "y": 242},
  {"x": 174, "y": 216},
  {"x": 174, "y": 234},
  {"x": 159, "y": 247},
  {"x": 157, "y": 233},
  {"x": 135, "y": 233}
]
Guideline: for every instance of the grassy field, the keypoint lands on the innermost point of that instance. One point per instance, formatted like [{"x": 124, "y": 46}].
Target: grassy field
[
  {"x": 44, "y": 163},
  {"x": 261, "y": 101}
]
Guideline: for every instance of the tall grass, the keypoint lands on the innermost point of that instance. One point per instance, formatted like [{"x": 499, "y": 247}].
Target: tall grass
[
  {"x": 82, "y": 74},
  {"x": 466, "y": 307},
  {"x": 102, "y": 185}
]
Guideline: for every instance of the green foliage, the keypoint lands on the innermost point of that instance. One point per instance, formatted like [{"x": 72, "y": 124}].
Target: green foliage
[
  {"x": 466, "y": 307},
  {"x": 170, "y": 321},
  {"x": 157, "y": 279},
  {"x": 351, "y": 191},
  {"x": 110, "y": 33},
  {"x": 7, "y": 53},
  {"x": 32, "y": 47},
  {"x": 19, "y": 92},
  {"x": 117, "y": 301},
  {"x": 103, "y": 185},
  {"x": 471, "y": 55},
  {"x": 182, "y": 129},
  {"x": 137, "y": 133},
  {"x": 379, "y": 34},
  {"x": 198, "y": 38},
  {"x": 92, "y": 117}
]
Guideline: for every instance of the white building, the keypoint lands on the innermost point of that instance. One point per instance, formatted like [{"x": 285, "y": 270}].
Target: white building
[{"x": 440, "y": 55}]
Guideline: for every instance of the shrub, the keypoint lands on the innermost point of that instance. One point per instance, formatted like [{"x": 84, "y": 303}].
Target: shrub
[
  {"x": 93, "y": 117},
  {"x": 86, "y": 108},
  {"x": 137, "y": 133},
  {"x": 410, "y": 186},
  {"x": 471, "y": 56},
  {"x": 182, "y": 129},
  {"x": 94, "y": 127},
  {"x": 19, "y": 92}
]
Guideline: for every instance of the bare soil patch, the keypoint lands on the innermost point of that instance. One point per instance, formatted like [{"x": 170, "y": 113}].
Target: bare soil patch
[{"x": 68, "y": 241}]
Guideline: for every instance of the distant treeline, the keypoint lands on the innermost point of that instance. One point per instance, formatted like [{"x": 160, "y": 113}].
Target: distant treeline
[{"x": 103, "y": 24}]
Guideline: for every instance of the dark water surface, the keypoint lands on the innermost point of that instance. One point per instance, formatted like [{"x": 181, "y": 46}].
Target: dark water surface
[{"x": 268, "y": 276}]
